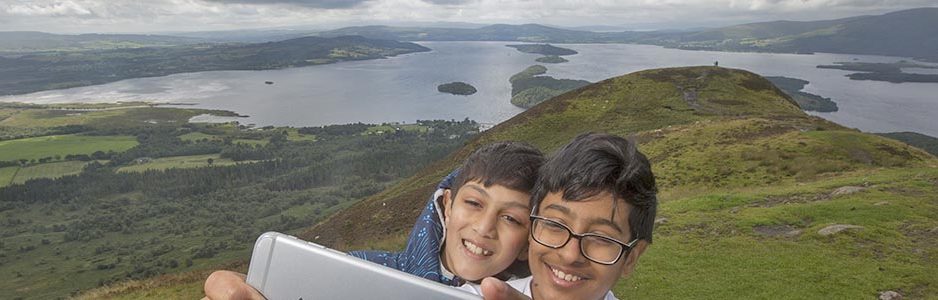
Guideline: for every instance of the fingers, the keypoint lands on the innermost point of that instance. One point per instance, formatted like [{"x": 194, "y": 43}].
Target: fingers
[
  {"x": 494, "y": 289},
  {"x": 228, "y": 285}
]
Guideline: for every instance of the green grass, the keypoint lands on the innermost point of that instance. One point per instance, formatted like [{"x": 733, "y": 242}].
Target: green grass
[
  {"x": 708, "y": 248},
  {"x": 6, "y": 175},
  {"x": 294, "y": 135},
  {"x": 198, "y": 136},
  {"x": 192, "y": 161},
  {"x": 49, "y": 170},
  {"x": 54, "y": 118},
  {"x": 61, "y": 145}
]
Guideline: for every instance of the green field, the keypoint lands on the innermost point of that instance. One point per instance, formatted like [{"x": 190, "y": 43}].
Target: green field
[
  {"x": 61, "y": 145},
  {"x": 182, "y": 162},
  {"x": 49, "y": 170},
  {"x": 6, "y": 175}
]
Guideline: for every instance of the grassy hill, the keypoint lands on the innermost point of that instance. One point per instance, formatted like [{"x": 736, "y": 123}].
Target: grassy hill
[{"x": 748, "y": 181}]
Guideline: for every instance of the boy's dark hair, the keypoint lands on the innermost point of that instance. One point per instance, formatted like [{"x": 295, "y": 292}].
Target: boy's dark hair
[
  {"x": 510, "y": 164},
  {"x": 596, "y": 162}
]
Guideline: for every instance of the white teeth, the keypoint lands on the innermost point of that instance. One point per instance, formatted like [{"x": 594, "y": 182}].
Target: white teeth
[
  {"x": 566, "y": 277},
  {"x": 476, "y": 249}
]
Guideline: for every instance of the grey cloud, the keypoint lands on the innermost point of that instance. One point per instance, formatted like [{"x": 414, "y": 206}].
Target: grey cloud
[{"x": 323, "y": 4}]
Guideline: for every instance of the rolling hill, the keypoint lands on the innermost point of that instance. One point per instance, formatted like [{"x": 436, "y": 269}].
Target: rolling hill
[
  {"x": 908, "y": 33},
  {"x": 751, "y": 187},
  {"x": 30, "y": 41}
]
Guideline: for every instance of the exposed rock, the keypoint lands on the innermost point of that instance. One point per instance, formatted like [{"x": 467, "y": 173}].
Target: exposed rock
[
  {"x": 776, "y": 230},
  {"x": 659, "y": 221},
  {"x": 847, "y": 190},
  {"x": 833, "y": 229},
  {"x": 890, "y": 295}
]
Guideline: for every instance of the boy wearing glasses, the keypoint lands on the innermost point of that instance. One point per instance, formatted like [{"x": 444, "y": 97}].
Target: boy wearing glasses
[{"x": 593, "y": 211}]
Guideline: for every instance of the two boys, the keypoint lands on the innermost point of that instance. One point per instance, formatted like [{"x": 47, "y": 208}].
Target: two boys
[{"x": 594, "y": 208}]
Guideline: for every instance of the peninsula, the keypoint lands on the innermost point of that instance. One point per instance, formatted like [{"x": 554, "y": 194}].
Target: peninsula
[
  {"x": 807, "y": 101},
  {"x": 890, "y": 72}
]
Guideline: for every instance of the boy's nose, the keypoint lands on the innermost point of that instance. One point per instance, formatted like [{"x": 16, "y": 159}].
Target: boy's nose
[
  {"x": 485, "y": 226},
  {"x": 570, "y": 253}
]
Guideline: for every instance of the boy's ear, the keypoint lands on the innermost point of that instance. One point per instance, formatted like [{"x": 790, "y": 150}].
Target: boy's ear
[
  {"x": 447, "y": 203},
  {"x": 632, "y": 260}
]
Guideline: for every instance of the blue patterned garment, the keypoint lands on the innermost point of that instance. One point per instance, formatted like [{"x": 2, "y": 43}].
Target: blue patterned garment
[{"x": 421, "y": 257}]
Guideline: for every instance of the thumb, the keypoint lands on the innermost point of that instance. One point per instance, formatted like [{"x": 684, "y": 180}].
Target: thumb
[{"x": 494, "y": 289}]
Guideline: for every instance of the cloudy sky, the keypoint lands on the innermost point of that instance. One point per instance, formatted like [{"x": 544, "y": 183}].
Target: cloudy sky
[{"x": 79, "y": 16}]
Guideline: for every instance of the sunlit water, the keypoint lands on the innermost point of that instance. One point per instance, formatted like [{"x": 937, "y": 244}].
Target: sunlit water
[{"x": 403, "y": 88}]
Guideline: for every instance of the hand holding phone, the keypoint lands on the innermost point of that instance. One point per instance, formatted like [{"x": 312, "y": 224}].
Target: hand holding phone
[{"x": 285, "y": 267}]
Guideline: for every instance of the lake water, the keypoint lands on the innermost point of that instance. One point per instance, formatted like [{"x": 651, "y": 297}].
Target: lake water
[{"x": 403, "y": 88}]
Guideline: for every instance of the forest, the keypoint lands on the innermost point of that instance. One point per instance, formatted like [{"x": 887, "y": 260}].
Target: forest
[{"x": 125, "y": 215}]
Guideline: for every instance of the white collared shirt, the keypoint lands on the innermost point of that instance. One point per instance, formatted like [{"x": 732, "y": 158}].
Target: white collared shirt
[{"x": 522, "y": 285}]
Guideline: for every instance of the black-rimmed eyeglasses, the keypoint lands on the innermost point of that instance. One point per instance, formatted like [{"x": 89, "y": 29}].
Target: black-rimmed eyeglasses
[{"x": 598, "y": 248}]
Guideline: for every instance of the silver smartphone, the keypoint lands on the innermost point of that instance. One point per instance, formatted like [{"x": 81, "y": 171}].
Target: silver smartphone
[{"x": 285, "y": 267}]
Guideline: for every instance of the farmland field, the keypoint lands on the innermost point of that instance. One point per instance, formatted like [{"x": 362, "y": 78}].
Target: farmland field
[
  {"x": 49, "y": 170},
  {"x": 191, "y": 161},
  {"x": 61, "y": 145}
]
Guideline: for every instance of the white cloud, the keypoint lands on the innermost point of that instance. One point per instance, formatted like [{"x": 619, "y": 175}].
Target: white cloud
[{"x": 49, "y": 8}]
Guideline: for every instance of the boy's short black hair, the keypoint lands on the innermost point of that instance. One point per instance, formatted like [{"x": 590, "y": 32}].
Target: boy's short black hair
[
  {"x": 510, "y": 164},
  {"x": 596, "y": 162}
]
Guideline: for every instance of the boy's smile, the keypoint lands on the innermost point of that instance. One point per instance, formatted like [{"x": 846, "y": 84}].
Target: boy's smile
[
  {"x": 486, "y": 229},
  {"x": 564, "y": 273}
]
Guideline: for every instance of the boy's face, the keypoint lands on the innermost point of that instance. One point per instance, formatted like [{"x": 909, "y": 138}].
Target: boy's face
[
  {"x": 486, "y": 229},
  {"x": 551, "y": 268}
]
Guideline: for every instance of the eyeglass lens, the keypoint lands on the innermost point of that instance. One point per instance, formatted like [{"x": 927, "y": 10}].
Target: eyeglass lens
[{"x": 555, "y": 235}]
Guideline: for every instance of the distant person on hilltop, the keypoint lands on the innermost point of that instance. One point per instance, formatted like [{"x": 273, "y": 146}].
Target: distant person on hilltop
[{"x": 474, "y": 226}]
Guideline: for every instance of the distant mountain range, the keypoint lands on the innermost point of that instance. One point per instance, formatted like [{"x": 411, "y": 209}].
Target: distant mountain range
[
  {"x": 908, "y": 33},
  {"x": 27, "y": 41},
  {"x": 32, "y": 72}
]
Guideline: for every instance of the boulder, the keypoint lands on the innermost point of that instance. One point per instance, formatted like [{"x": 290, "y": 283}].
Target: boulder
[{"x": 890, "y": 295}]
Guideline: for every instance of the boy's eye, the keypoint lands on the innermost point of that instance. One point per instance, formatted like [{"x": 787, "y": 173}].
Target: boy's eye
[
  {"x": 511, "y": 220},
  {"x": 473, "y": 203}
]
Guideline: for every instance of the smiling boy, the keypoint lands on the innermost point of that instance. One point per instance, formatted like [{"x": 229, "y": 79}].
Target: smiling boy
[
  {"x": 593, "y": 213},
  {"x": 483, "y": 233}
]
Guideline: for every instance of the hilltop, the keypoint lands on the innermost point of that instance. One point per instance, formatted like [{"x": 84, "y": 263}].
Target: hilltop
[{"x": 747, "y": 182}]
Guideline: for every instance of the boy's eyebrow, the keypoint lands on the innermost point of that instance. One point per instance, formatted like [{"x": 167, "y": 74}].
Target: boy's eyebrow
[
  {"x": 478, "y": 189},
  {"x": 519, "y": 205},
  {"x": 563, "y": 209},
  {"x": 595, "y": 221},
  {"x": 607, "y": 222}
]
